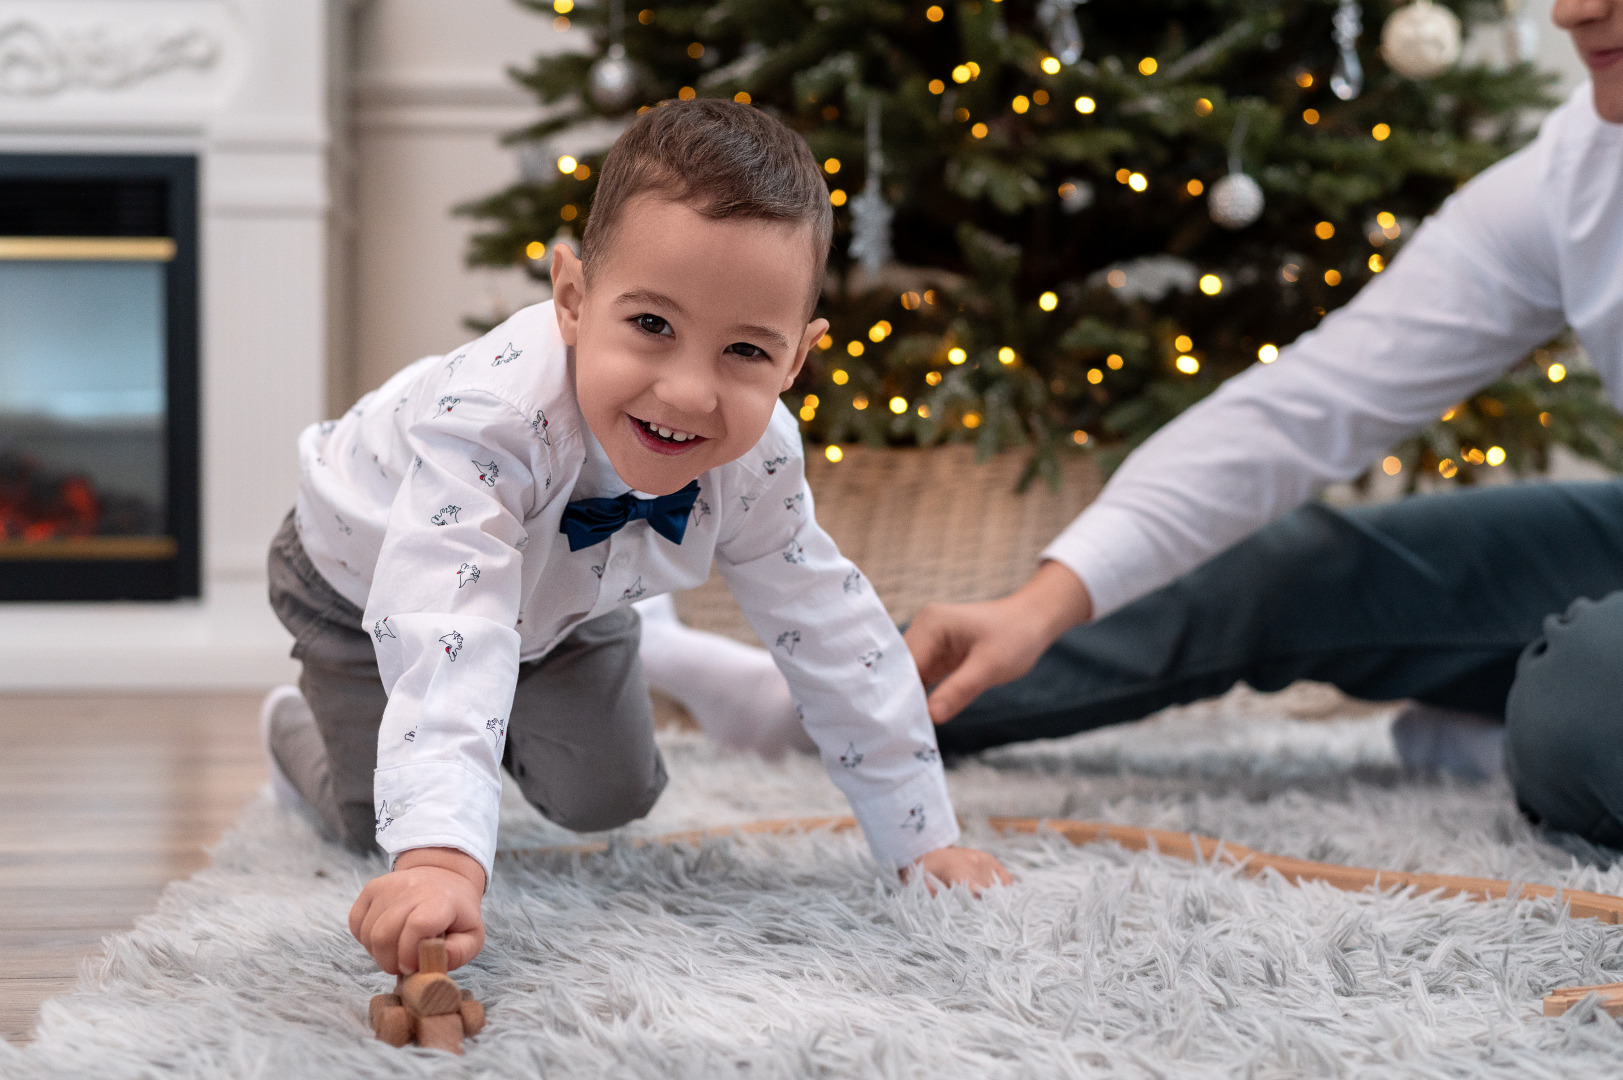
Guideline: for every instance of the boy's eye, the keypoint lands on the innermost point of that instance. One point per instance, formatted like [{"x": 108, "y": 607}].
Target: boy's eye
[
  {"x": 748, "y": 351},
  {"x": 652, "y": 324}
]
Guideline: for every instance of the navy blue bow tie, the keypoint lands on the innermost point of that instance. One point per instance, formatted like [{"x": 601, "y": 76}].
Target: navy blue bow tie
[{"x": 592, "y": 521}]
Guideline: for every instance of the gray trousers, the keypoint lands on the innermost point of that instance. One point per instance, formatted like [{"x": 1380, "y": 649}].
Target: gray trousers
[
  {"x": 1506, "y": 601},
  {"x": 580, "y": 738}
]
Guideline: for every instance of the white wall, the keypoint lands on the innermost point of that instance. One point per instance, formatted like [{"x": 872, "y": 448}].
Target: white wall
[{"x": 432, "y": 99}]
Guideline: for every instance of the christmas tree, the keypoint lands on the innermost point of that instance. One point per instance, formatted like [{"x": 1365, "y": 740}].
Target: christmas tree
[{"x": 1058, "y": 225}]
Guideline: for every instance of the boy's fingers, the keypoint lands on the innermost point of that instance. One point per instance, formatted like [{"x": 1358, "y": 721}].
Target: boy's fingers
[
  {"x": 461, "y": 946},
  {"x": 383, "y": 937}
]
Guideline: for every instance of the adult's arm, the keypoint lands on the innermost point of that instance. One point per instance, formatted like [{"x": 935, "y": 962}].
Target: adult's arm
[{"x": 1472, "y": 292}]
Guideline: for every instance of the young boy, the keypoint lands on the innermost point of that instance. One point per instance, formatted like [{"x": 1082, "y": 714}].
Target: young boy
[{"x": 497, "y": 512}]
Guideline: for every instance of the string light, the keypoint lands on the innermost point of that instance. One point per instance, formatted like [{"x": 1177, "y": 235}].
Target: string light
[
  {"x": 1183, "y": 343},
  {"x": 956, "y": 356},
  {"x": 1203, "y": 107},
  {"x": 934, "y": 13},
  {"x": 1380, "y": 132},
  {"x": 1391, "y": 466},
  {"x": 742, "y": 97},
  {"x": 1020, "y": 104},
  {"x": 569, "y": 212},
  {"x": 1544, "y": 418},
  {"x": 859, "y": 402},
  {"x": 1085, "y": 105},
  {"x": 933, "y": 378},
  {"x": 937, "y": 86},
  {"x": 960, "y": 74},
  {"x": 1117, "y": 279},
  {"x": 1147, "y": 66},
  {"x": 826, "y": 341},
  {"x": 1051, "y": 65},
  {"x": 1496, "y": 456},
  {"x": 1447, "y": 468},
  {"x": 840, "y": 377},
  {"x": 1386, "y": 219},
  {"x": 1040, "y": 96},
  {"x": 855, "y": 348},
  {"x": 898, "y": 405},
  {"x": 1114, "y": 361},
  {"x": 972, "y": 420},
  {"x": 831, "y": 166},
  {"x": 695, "y": 50},
  {"x": 1310, "y": 116},
  {"x": 1095, "y": 376},
  {"x": 1005, "y": 355},
  {"x": 1324, "y": 230},
  {"x": 910, "y": 300},
  {"x": 1332, "y": 277},
  {"x": 1555, "y": 372},
  {"x": 646, "y": 16},
  {"x": 1122, "y": 175},
  {"x": 1376, "y": 263},
  {"x": 1268, "y": 353},
  {"x": 833, "y": 453},
  {"x": 563, "y": 7},
  {"x": 567, "y": 164},
  {"x": 1304, "y": 79},
  {"x": 1187, "y": 364},
  {"x": 1450, "y": 414},
  {"x": 879, "y": 331},
  {"x": 960, "y": 114},
  {"x": 1474, "y": 456},
  {"x": 924, "y": 412},
  {"x": 1194, "y": 187},
  {"x": 535, "y": 249},
  {"x": 837, "y": 197},
  {"x": 1048, "y": 301},
  {"x": 808, "y": 412},
  {"x": 978, "y": 131},
  {"x": 1137, "y": 181},
  {"x": 1079, "y": 437},
  {"x": 560, "y": 24},
  {"x": 582, "y": 171},
  {"x": 687, "y": 93},
  {"x": 1211, "y": 284},
  {"x": 974, "y": 69}
]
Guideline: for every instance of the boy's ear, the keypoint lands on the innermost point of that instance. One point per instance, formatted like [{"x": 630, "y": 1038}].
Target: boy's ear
[
  {"x": 568, "y": 291},
  {"x": 814, "y": 330}
]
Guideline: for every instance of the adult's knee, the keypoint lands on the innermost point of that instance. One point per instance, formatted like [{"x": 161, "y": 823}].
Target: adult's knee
[{"x": 1564, "y": 723}]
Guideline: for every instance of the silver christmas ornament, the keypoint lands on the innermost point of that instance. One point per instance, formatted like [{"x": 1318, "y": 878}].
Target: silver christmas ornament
[
  {"x": 612, "y": 81},
  {"x": 1075, "y": 195},
  {"x": 1064, "y": 35},
  {"x": 1347, "y": 78},
  {"x": 1420, "y": 40},
  {"x": 870, "y": 214},
  {"x": 1236, "y": 200}
]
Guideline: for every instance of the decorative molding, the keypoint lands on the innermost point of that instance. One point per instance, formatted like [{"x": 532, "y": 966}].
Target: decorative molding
[{"x": 40, "y": 62}]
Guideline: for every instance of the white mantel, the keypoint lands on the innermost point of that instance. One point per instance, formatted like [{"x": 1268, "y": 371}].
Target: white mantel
[{"x": 253, "y": 88}]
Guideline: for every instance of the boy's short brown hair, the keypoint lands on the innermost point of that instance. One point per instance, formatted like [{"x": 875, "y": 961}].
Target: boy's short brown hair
[{"x": 725, "y": 160}]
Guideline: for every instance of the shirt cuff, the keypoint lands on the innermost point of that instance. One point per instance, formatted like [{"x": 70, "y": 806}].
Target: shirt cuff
[
  {"x": 437, "y": 804},
  {"x": 910, "y": 821},
  {"x": 1105, "y": 547}
]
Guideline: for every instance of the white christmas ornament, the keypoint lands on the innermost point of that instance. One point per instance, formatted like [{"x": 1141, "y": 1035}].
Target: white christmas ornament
[
  {"x": 1235, "y": 201},
  {"x": 1420, "y": 40},
  {"x": 613, "y": 80}
]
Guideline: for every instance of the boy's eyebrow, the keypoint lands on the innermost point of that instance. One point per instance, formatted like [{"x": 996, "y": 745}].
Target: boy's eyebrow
[{"x": 656, "y": 299}]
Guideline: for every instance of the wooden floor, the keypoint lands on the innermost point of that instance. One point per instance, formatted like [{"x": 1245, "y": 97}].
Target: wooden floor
[{"x": 104, "y": 800}]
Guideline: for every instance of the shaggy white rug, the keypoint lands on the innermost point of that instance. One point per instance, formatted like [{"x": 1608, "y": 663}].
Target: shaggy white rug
[{"x": 797, "y": 957}]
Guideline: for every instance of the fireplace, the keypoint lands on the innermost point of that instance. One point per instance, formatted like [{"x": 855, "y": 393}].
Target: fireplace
[{"x": 98, "y": 378}]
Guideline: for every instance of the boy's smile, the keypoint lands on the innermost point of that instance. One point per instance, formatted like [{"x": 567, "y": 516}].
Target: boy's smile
[{"x": 685, "y": 336}]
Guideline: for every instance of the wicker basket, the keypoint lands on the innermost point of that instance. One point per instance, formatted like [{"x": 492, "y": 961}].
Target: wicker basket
[{"x": 924, "y": 525}]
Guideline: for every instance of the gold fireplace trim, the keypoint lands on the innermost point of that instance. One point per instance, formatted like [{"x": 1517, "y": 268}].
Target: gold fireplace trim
[
  {"x": 99, "y": 548},
  {"x": 88, "y": 248}
]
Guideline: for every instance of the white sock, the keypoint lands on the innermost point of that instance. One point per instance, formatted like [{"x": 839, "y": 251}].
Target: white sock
[{"x": 734, "y": 691}]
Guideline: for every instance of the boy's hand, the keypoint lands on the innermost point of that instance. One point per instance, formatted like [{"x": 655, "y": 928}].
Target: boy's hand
[
  {"x": 431, "y": 891},
  {"x": 951, "y": 866}
]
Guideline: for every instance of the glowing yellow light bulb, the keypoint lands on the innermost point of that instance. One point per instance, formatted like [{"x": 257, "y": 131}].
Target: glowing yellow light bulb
[
  {"x": 833, "y": 453},
  {"x": 1268, "y": 353},
  {"x": 1380, "y": 132},
  {"x": 742, "y": 97},
  {"x": 1147, "y": 66},
  {"x": 1391, "y": 466},
  {"x": 687, "y": 93},
  {"x": 1079, "y": 437},
  {"x": 879, "y": 331},
  {"x": 934, "y": 13},
  {"x": 859, "y": 402},
  {"x": 808, "y": 412},
  {"x": 937, "y": 86},
  {"x": 1095, "y": 376},
  {"x": 837, "y": 197},
  {"x": 1324, "y": 230},
  {"x": 1332, "y": 277},
  {"x": 972, "y": 420},
  {"x": 831, "y": 166},
  {"x": 1085, "y": 104},
  {"x": 1304, "y": 79},
  {"x": 1005, "y": 355},
  {"x": 1495, "y": 455},
  {"x": 1203, "y": 107},
  {"x": 1020, "y": 104},
  {"x": 1386, "y": 219},
  {"x": 1194, "y": 187},
  {"x": 956, "y": 356},
  {"x": 1211, "y": 284},
  {"x": 855, "y": 348},
  {"x": 1187, "y": 364},
  {"x": 535, "y": 249},
  {"x": 1114, "y": 362},
  {"x": 933, "y": 378},
  {"x": 839, "y": 377},
  {"x": 826, "y": 341},
  {"x": 1376, "y": 263},
  {"x": 1556, "y": 372},
  {"x": 1051, "y": 65},
  {"x": 1183, "y": 343},
  {"x": 924, "y": 412},
  {"x": 1310, "y": 116},
  {"x": 978, "y": 131},
  {"x": 1048, "y": 301},
  {"x": 960, "y": 74},
  {"x": 1137, "y": 181},
  {"x": 1447, "y": 468},
  {"x": 566, "y": 164},
  {"x": 898, "y": 405}
]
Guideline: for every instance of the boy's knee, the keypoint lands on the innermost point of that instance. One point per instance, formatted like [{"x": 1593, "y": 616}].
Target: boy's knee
[
  {"x": 606, "y": 799},
  {"x": 1564, "y": 719}
]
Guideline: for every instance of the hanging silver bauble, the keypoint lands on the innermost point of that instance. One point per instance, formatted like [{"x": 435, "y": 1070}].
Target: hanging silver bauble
[
  {"x": 1075, "y": 195},
  {"x": 1235, "y": 201},
  {"x": 1420, "y": 40},
  {"x": 1347, "y": 77},
  {"x": 612, "y": 81}
]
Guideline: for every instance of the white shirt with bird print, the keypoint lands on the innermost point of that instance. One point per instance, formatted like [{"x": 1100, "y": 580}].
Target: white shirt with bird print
[{"x": 435, "y": 504}]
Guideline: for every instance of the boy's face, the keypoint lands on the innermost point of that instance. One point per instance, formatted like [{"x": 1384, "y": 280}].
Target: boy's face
[
  {"x": 1596, "y": 27},
  {"x": 691, "y": 327}
]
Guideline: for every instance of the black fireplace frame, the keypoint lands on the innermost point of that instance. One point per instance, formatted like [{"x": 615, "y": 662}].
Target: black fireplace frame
[{"x": 179, "y": 575}]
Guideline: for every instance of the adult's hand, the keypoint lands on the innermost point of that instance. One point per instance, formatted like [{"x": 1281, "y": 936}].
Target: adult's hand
[{"x": 963, "y": 650}]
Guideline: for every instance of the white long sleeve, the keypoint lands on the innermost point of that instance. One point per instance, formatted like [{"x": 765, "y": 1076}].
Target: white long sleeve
[{"x": 1532, "y": 244}]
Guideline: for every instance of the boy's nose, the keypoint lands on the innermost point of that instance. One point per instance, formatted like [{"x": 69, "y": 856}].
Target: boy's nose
[
  {"x": 1570, "y": 14},
  {"x": 689, "y": 387}
]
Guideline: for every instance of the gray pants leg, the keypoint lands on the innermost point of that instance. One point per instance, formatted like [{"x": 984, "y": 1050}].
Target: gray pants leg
[
  {"x": 580, "y": 737},
  {"x": 1564, "y": 723}
]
